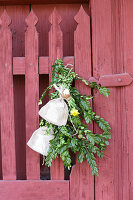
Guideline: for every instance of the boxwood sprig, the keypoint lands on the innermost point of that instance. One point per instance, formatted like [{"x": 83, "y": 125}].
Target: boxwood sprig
[{"x": 84, "y": 142}]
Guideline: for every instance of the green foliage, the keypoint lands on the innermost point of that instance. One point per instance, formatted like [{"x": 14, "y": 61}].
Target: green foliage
[{"x": 76, "y": 135}]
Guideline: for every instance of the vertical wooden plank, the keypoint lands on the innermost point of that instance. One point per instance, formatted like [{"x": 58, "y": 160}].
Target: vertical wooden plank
[
  {"x": 127, "y": 25},
  {"x": 1, "y": 11},
  {"x": 31, "y": 94},
  {"x": 107, "y": 47},
  {"x": 7, "y": 101},
  {"x": 18, "y": 27},
  {"x": 81, "y": 179},
  {"x": 55, "y": 51},
  {"x": 103, "y": 63},
  {"x": 121, "y": 145}
]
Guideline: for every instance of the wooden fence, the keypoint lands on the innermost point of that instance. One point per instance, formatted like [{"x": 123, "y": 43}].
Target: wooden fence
[
  {"x": 99, "y": 40},
  {"x": 31, "y": 66}
]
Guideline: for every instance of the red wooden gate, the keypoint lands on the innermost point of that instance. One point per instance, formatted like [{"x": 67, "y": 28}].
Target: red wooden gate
[
  {"x": 31, "y": 66},
  {"x": 99, "y": 48}
]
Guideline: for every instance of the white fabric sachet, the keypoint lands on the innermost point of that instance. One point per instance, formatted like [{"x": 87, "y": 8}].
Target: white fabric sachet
[
  {"x": 39, "y": 141},
  {"x": 55, "y": 112}
]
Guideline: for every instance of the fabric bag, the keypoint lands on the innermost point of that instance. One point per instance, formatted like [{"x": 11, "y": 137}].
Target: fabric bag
[
  {"x": 55, "y": 112},
  {"x": 39, "y": 140}
]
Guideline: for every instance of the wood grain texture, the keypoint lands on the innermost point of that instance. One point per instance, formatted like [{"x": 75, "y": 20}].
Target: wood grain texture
[
  {"x": 55, "y": 51},
  {"x": 31, "y": 94},
  {"x": 69, "y": 60},
  {"x": 18, "y": 27},
  {"x": 43, "y": 65},
  {"x": 115, "y": 80},
  {"x": 7, "y": 101},
  {"x": 55, "y": 38},
  {"x": 81, "y": 179},
  {"x": 68, "y": 25},
  {"x": 102, "y": 51},
  {"x": 34, "y": 190},
  {"x": 127, "y": 143},
  {"x": 19, "y": 64},
  {"x": 14, "y": 2},
  {"x": 107, "y": 46},
  {"x": 1, "y": 11}
]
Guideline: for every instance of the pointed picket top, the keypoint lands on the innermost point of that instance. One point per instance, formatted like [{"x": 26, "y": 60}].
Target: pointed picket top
[
  {"x": 55, "y": 18},
  {"x": 81, "y": 15},
  {"x": 5, "y": 20},
  {"x": 31, "y": 19},
  {"x": 55, "y": 37}
]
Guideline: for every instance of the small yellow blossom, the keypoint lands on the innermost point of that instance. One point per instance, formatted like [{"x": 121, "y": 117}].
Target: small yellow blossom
[{"x": 74, "y": 112}]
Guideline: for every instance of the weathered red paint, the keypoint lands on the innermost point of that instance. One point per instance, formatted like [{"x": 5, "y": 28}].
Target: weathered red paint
[
  {"x": 55, "y": 51},
  {"x": 116, "y": 80},
  {"x": 102, "y": 64},
  {"x": 6, "y": 101},
  {"x": 22, "y": 2},
  {"x": 31, "y": 94},
  {"x": 33, "y": 190},
  {"x": 18, "y": 28},
  {"x": 108, "y": 53},
  {"x": 1, "y": 11},
  {"x": 127, "y": 95},
  {"x": 81, "y": 180},
  {"x": 113, "y": 80},
  {"x": 19, "y": 64},
  {"x": 109, "y": 60}
]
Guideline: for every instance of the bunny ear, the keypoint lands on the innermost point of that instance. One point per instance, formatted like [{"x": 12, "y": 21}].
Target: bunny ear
[
  {"x": 55, "y": 112},
  {"x": 39, "y": 141}
]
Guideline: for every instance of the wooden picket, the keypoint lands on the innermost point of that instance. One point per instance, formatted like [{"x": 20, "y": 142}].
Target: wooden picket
[
  {"x": 1, "y": 11},
  {"x": 31, "y": 93},
  {"x": 7, "y": 101},
  {"x": 55, "y": 51},
  {"x": 81, "y": 180}
]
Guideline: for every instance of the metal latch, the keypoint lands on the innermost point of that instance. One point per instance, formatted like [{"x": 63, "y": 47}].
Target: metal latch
[{"x": 114, "y": 80}]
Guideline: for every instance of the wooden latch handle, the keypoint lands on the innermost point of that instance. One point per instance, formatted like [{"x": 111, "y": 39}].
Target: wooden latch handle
[{"x": 114, "y": 80}]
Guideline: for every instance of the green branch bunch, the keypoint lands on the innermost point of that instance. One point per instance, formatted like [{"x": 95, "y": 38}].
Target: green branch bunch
[{"x": 84, "y": 142}]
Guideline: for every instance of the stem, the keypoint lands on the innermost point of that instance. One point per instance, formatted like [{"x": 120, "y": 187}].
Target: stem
[{"x": 73, "y": 125}]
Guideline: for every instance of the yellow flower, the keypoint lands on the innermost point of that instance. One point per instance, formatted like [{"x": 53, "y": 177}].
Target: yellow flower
[{"x": 74, "y": 112}]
